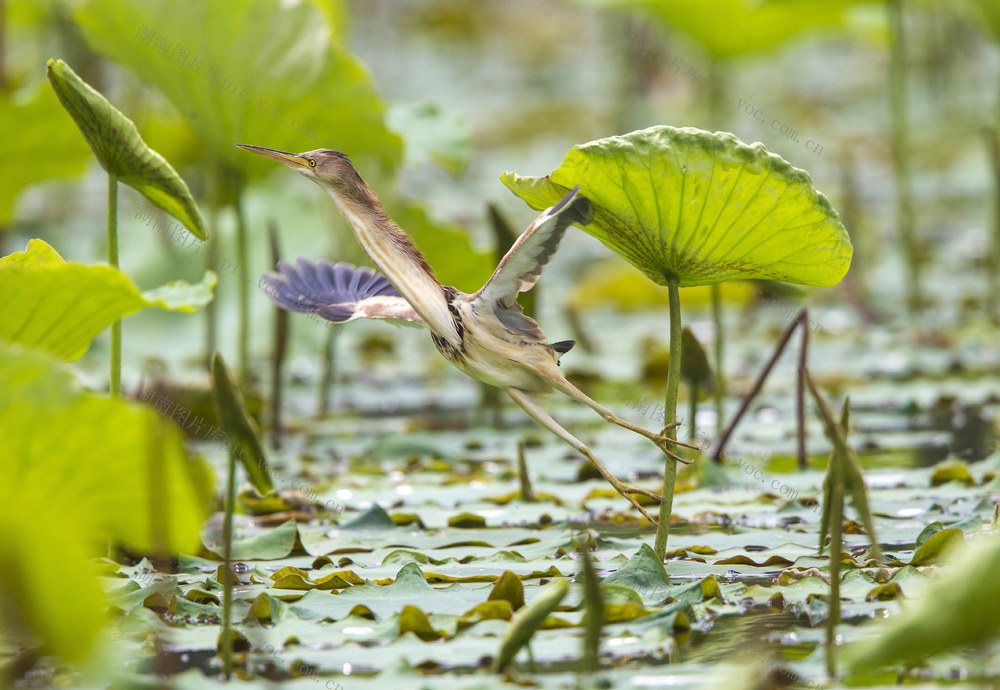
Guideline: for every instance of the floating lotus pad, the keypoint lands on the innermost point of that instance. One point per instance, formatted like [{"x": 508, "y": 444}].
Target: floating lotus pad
[{"x": 700, "y": 206}]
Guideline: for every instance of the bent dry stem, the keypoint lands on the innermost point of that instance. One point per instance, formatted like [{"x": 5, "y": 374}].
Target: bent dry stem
[
  {"x": 800, "y": 320},
  {"x": 669, "y": 416}
]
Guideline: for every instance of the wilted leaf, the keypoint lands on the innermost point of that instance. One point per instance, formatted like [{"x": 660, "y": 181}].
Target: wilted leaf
[
  {"x": 508, "y": 588},
  {"x": 467, "y": 521},
  {"x": 412, "y": 619}
]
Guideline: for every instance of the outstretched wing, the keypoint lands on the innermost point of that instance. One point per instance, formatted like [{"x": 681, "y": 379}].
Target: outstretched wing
[
  {"x": 337, "y": 292},
  {"x": 521, "y": 267}
]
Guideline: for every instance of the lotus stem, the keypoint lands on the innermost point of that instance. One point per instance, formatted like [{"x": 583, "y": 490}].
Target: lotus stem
[
  {"x": 836, "y": 546},
  {"x": 115, "y": 384},
  {"x": 227, "y": 571},
  {"x": 693, "y": 391},
  {"x": 993, "y": 300},
  {"x": 326, "y": 388},
  {"x": 800, "y": 388},
  {"x": 280, "y": 347},
  {"x": 3, "y": 48},
  {"x": 243, "y": 355},
  {"x": 527, "y": 494},
  {"x": 901, "y": 155},
  {"x": 669, "y": 416},
  {"x": 593, "y": 617},
  {"x": 212, "y": 264},
  {"x": 719, "y": 389}
]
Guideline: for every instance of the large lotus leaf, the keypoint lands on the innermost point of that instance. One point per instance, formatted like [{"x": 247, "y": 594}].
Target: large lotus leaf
[
  {"x": 446, "y": 247},
  {"x": 79, "y": 470},
  {"x": 961, "y": 608},
  {"x": 762, "y": 24},
  {"x": 53, "y": 305},
  {"x": 431, "y": 135},
  {"x": 699, "y": 206},
  {"x": 263, "y": 71},
  {"x": 988, "y": 14},
  {"x": 121, "y": 151},
  {"x": 35, "y": 126}
]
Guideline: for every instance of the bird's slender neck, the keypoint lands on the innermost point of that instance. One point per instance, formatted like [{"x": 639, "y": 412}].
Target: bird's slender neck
[{"x": 395, "y": 255}]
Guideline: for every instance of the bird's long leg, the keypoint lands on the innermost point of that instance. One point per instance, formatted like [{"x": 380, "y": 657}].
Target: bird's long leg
[
  {"x": 661, "y": 440},
  {"x": 545, "y": 419}
]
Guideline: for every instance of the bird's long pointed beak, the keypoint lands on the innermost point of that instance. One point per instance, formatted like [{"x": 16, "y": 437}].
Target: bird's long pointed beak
[{"x": 292, "y": 160}]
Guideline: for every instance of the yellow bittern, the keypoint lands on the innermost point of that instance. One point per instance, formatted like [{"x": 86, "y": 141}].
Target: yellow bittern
[{"x": 485, "y": 334}]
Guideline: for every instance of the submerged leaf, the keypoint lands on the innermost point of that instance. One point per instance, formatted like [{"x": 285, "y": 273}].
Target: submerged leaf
[
  {"x": 951, "y": 471},
  {"x": 509, "y": 588},
  {"x": 700, "y": 207},
  {"x": 53, "y": 305},
  {"x": 695, "y": 369},
  {"x": 121, "y": 151},
  {"x": 412, "y": 619}
]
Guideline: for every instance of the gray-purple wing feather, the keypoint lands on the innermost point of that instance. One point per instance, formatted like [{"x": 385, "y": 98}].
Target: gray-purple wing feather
[{"x": 337, "y": 292}]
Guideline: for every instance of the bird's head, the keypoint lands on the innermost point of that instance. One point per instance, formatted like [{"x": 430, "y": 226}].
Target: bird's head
[{"x": 326, "y": 167}]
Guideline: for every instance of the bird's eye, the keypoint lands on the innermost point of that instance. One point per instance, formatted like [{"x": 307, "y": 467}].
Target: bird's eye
[{"x": 312, "y": 162}]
